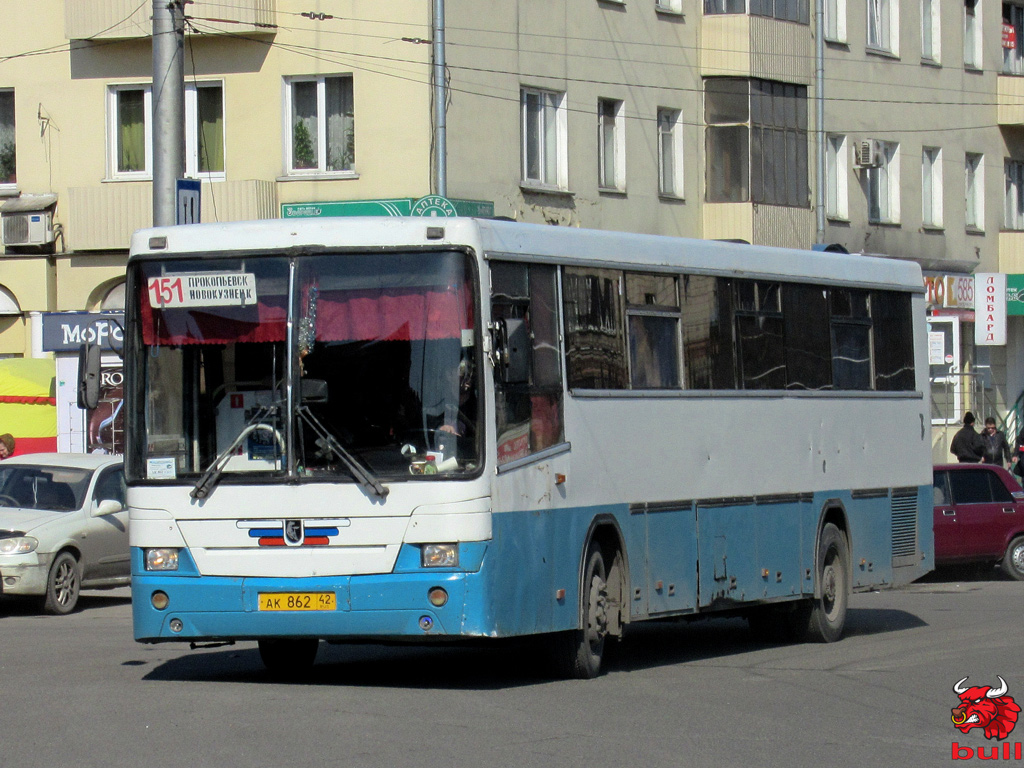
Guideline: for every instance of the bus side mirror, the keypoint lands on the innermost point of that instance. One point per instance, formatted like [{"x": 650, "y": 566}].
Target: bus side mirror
[
  {"x": 511, "y": 344},
  {"x": 88, "y": 376}
]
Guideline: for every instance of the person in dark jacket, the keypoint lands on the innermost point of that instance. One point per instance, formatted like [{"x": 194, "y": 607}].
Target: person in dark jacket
[
  {"x": 997, "y": 450},
  {"x": 967, "y": 444}
]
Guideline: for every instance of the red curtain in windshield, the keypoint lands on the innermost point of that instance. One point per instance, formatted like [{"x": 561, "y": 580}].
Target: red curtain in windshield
[{"x": 379, "y": 314}]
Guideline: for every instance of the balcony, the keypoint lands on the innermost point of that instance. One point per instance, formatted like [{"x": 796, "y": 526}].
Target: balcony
[
  {"x": 774, "y": 225},
  {"x": 103, "y": 217},
  {"x": 124, "y": 19},
  {"x": 738, "y": 45},
  {"x": 1010, "y": 100}
]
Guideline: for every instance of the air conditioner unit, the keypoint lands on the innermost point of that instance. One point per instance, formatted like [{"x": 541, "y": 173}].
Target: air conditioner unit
[
  {"x": 35, "y": 228},
  {"x": 868, "y": 153}
]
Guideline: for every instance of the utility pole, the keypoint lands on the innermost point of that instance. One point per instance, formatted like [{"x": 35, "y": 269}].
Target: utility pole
[
  {"x": 440, "y": 103},
  {"x": 168, "y": 107}
]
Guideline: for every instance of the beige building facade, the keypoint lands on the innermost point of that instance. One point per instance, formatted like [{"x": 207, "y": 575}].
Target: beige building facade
[{"x": 659, "y": 116}]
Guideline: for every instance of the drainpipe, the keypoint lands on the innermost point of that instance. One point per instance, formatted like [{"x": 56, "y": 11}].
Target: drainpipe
[
  {"x": 819, "y": 103},
  {"x": 440, "y": 103}
]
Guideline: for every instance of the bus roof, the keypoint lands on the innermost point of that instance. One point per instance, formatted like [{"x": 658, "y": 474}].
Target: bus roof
[{"x": 508, "y": 239}]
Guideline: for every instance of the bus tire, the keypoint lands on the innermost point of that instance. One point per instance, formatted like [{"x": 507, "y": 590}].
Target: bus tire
[
  {"x": 826, "y": 615},
  {"x": 288, "y": 656},
  {"x": 579, "y": 652}
]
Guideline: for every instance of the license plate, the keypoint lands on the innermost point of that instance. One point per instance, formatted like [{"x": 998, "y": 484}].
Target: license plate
[{"x": 298, "y": 601}]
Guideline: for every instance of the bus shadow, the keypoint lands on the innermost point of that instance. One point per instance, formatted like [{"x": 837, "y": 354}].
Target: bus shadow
[{"x": 500, "y": 664}]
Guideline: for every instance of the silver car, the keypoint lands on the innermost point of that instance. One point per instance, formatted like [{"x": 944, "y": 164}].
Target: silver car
[{"x": 63, "y": 526}]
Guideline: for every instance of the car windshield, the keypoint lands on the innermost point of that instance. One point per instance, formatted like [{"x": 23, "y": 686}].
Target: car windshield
[
  {"x": 54, "y": 489},
  {"x": 379, "y": 352}
]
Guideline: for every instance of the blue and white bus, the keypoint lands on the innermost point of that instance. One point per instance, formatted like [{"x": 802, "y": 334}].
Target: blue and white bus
[{"x": 422, "y": 429}]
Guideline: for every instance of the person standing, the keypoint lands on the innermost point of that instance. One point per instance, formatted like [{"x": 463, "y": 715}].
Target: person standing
[
  {"x": 967, "y": 444},
  {"x": 6, "y": 445},
  {"x": 997, "y": 450}
]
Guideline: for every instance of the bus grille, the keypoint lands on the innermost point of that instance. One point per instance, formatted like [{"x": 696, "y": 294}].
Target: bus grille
[{"x": 904, "y": 524}]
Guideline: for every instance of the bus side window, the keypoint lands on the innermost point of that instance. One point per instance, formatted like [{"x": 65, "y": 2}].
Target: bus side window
[{"x": 529, "y": 413}]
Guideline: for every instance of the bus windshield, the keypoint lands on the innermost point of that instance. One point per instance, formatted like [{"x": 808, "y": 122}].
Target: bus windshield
[{"x": 379, "y": 351}]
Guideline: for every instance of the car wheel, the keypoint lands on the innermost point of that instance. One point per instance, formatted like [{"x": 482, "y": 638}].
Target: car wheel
[
  {"x": 288, "y": 656},
  {"x": 62, "y": 585},
  {"x": 1013, "y": 560}
]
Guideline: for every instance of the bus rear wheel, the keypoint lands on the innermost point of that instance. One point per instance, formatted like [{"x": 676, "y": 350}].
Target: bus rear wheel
[
  {"x": 288, "y": 656},
  {"x": 579, "y": 652},
  {"x": 826, "y": 615}
]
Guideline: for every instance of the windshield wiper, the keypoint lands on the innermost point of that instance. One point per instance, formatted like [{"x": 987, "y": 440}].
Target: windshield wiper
[
  {"x": 359, "y": 472},
  {"x": 212, "y": 474}
]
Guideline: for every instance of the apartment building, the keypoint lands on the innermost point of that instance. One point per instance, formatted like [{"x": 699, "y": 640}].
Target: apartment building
[{"x": 664, "y": 116}]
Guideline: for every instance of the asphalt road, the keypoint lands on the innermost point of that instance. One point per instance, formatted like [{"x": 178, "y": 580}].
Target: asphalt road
[{"x": 78, "y": 691}]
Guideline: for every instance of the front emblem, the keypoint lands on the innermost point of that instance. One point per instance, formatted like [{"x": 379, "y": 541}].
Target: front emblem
[{"x": 293, "y": 534}]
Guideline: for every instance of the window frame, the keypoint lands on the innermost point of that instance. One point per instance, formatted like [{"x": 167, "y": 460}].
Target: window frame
[
  {"x": 931, "y": 31},
  {"x": 559, "y": 165},
  {"x": 191, "y": 110},
  {"x": 1013, "y": 58},
  {"x": 611, "y": 136},
  {"x": 1013, "y": 195},
  {"x": 837, "y": 173},
  {"x": 889, "y": 174},
  {"x": 931, "y": 187},
  {"x": 972, "y": 31},
  {"x": 674, "y": 164},
  {"x": 882, "y": 27},
  {"x": 321, "y": 170},
  {"x": 835, "y": 21},
  {"x": 974, "y": 191},
  {"x": 6, "y": 183}
]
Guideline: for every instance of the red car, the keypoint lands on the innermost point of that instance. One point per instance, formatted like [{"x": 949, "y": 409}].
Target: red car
[{"x": 979, "y": 517}]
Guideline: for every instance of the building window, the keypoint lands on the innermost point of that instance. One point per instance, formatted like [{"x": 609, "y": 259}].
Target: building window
[
  {"x": 670, "y": 152},
  {"x": 204, "y": 143},
  {"x": 668, "y": 6},
  {"x": 931, "y": 187},
  {"x": 130, "y": 113},
  {"x": 974, "y": 216},
  {"x": 610, "y": 145},
  {"x": 8, "y": 156},
  {"x": 1013, "y": 46},
  {"x": 883, "y": 32},
  {"x": 972, "y": 34},
  {"x": 321, "y": 125},
  {"x": 884, "y": 187},
  {"x": 931, "y": 34},
  {"x": 543, "y": 138},
  {"x": 1014, "y": 218},
  {"x": 756, "y": 141},
  {"x": 835, "y": 20},
  {"x": 784, "y": 10},
  {"x": 837, "y": 172}
]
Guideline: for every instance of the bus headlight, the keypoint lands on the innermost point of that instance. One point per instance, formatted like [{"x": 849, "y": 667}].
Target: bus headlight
[
  {"x": 161, "y": 559},
  {"x": 18, "y": 545},
  {"x": 439, "y": 555}
]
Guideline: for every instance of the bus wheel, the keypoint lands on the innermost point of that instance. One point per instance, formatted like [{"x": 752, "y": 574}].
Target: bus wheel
[
  {"x": 579, "y": 652},
  {"x": 288, "y": 656},
  {"x": 827, "y": 614}
]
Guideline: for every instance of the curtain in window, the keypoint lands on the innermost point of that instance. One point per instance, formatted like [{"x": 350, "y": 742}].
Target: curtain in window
[
  {"x": 304, "y": 126},
  {"x": 341, "y": 140},
  {"x": 210, "y": 106},
  {"x": 131, "y": 131},
  {"x": 8, "y": 166}
]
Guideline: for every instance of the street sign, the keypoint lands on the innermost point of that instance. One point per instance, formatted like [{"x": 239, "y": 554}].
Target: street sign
[{"x": 187, "y": 195}]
